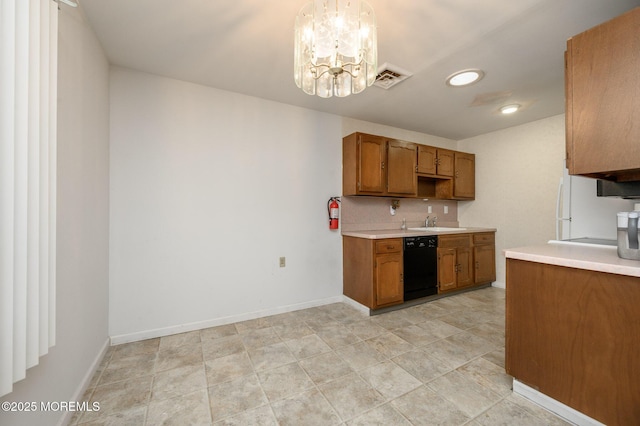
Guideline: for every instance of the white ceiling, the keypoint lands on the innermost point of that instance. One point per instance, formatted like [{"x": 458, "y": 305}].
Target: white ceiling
[{"x": 246, "y": 46}]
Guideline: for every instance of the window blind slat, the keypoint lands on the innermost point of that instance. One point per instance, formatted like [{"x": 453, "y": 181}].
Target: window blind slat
[
  {"x": 33, "y": 255},
  {"x": 7, "y": 101}
]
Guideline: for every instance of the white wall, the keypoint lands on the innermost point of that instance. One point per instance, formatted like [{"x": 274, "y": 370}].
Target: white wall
[
  {"x": 517, "y": 175},
  {"x": 208, "y": 189},
  {"x": 350, "y": 125},
  {"x": 82, "y": 228}
]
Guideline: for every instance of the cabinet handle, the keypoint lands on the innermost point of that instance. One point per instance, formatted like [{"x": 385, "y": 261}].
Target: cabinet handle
[
  {"x": 416, "y": 169},
  {"x": 383, "y": 165},
  {"x": 391, "y": 247},
  {"x": 401, "y": 278},
  {"x": 457, "y": 173}
]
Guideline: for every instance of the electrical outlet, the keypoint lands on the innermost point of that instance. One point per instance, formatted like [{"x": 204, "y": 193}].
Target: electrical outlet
[
  {"x": 429, "y": 209},
  {"x": 446, "y": 209},
  {"x": 283, "y": 262}
]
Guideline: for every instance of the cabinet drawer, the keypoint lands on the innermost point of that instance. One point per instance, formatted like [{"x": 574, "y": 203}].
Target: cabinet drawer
[
  {"x": 447, "y": 241},
  {"x": 489, "y": 238},
  {"x": 389, "y": 245}
]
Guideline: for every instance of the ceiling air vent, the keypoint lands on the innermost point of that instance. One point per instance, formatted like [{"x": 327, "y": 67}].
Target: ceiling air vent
[{"x": 390, "y": 75}]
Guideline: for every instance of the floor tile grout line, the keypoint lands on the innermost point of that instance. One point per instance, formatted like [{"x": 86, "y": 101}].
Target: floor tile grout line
[
  {"x": 501, "y": 397},
  {"x": 256, "y": 373},
  {"x": 316, "y": 385},
  {"x": 206, "y": 377},
  {"x": 387, "y": 359},
  {"x": 317, "y": 388}
]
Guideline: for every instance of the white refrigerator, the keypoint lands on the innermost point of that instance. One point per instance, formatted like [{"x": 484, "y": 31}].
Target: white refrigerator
[{"x": 580, "y": 213}]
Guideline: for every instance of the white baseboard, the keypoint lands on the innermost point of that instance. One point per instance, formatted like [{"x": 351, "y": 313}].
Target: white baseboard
[
  {"x": 571, "y": 415},
  {"x": 349, "y": 301},
  {"x": 84, "y": 384},
  {"x": 183, "y": 328},
  {"x": 499, "y": 284}
]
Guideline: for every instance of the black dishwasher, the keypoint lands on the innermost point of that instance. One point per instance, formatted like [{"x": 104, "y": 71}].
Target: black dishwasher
[{"x": 420, "y": 266}]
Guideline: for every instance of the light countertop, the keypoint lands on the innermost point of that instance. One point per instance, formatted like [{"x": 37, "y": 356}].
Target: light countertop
[
  {"x": 590, "y": 257},
  {"x": 399, "y": 233}
]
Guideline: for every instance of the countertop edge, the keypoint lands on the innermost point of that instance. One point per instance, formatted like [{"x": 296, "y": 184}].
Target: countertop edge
[
  {"x": 399, "y": 233},
  {"x": 593, "y": 258}
]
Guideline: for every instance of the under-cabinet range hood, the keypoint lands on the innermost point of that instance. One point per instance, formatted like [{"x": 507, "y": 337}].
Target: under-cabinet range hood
[{"x": 628, "y": 190}]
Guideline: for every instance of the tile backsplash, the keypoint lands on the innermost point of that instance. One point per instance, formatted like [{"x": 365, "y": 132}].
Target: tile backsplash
[{"x": 367, "y": 213}]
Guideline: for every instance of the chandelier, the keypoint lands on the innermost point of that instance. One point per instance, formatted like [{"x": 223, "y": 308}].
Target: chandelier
[{"x": 336, "y": 50}]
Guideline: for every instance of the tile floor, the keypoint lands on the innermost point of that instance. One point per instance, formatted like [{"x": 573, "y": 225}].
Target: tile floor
[{"x": 437, "y": 363}]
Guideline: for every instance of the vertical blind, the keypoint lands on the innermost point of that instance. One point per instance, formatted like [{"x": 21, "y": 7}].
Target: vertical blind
[{"x": 28, "y": 96}]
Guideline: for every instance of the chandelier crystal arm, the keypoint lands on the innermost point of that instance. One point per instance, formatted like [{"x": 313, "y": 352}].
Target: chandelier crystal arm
[{"x": 336, "y": 70}]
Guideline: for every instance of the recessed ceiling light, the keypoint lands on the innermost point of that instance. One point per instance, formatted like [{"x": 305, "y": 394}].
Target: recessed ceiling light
[
  {"x": 509, "y": 109},
  {"x": 465, "y": 77}
]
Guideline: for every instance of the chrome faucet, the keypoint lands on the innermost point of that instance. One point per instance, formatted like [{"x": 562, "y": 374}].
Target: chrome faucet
[
  {"x": 433, "y": 222},
  {"x": 426, "y": 222}
]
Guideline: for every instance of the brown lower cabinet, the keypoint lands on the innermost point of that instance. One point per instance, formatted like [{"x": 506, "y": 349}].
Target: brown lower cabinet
[
  {"x": 373, "y": 271},
  {"x": 574, "y": 335},
  {"x": 455, "y": 262},
  {"x": 484, "y": 257}
]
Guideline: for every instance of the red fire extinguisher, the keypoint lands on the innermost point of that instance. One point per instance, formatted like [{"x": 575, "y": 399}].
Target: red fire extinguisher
[{"x": 334, "y": 212}]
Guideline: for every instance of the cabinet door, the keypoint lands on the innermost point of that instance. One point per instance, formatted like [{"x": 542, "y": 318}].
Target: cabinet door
[
  {"x": 435, "y": 161},
  {"x": 371, "y": 164},
  {"x": 485, "y": 264},
  {"x": 445, "y": 162},
  {"x": 401, "y": 175},
  {"x": 427, "y": 159},
  {"x": 602, "y": 101},
  {"x": 446, "y": 269},
  {"x": 465, "y": 176},
  {"x": 464, "y": 267},
  {"x": 389, "y": 288}
]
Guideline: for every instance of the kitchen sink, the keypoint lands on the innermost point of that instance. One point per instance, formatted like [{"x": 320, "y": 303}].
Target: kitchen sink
[{"x": 436, "y": 229}]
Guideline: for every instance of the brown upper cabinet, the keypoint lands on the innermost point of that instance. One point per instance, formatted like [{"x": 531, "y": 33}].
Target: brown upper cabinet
[
  {"x": 366, "y": 156},
  {"x": 435, "y": 161},
  {"x": 374, "y": 165},
  {"x": 401, "y": 177},
  {"x": 462, "y": 186},
  {"x": 602, "y": 102},
  {"x": 464, "y": 181}
]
